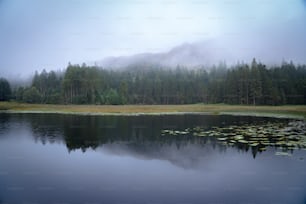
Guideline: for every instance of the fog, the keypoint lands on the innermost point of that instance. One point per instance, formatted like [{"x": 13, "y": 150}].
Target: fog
[{"x": 36, "y": 35}]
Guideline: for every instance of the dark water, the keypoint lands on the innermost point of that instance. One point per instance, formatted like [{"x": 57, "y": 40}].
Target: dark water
[{"x": 112, "y": 159}]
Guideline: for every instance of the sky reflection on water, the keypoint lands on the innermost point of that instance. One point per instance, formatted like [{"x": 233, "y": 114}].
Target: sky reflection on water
[{"x": 70, "y": 159}]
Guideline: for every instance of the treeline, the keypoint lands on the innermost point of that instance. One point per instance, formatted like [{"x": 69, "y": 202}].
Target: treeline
[{"x": 241, "y": 84}]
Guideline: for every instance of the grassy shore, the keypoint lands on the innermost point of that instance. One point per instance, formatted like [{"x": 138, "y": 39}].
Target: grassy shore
[{"x": 292, "y": 111}]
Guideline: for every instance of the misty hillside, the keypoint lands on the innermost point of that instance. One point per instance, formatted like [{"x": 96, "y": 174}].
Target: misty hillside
[
  {"x": 212, "y": 52},
  {"x": 189, "y": 54}
]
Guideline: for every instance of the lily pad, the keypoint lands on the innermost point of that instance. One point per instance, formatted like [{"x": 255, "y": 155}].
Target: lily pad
[
  {"x": 254, "y": 144},
  {"x": 282, "y": 154},
  {"x": 243, "y": 141}
]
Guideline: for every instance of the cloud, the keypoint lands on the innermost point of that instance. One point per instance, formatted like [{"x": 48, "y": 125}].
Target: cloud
[{"x": 48, "y": 34}]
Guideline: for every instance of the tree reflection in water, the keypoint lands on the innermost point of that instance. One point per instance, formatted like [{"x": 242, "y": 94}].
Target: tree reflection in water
[{"x": 138, "y": 133}]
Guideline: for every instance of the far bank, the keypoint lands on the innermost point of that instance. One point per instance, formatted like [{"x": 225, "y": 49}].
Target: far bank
[{"x": 287, "y": 111}]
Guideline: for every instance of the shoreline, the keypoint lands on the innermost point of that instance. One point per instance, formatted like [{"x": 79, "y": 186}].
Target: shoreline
[
  {"x": 288, "y": 111},
  {"x": 268, "y": 115}
]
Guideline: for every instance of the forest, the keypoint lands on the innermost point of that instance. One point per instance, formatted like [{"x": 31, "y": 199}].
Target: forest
[{"x": 247, "y": 84}]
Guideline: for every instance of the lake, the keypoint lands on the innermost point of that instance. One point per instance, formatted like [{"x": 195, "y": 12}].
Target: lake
[{"x": 196, "y": 159}]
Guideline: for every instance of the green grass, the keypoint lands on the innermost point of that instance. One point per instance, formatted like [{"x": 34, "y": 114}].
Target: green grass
[{"x": 298, "y": 111}]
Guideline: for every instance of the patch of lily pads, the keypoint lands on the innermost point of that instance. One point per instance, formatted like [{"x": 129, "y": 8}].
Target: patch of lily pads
[{"x": 283, "y": 135}]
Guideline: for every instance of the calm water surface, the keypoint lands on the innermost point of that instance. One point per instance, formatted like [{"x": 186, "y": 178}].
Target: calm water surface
[{"x": 126, "y": 159}]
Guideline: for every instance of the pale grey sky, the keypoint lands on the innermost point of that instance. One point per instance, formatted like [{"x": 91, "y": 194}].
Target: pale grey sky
[{"x": 38, "y": 34}]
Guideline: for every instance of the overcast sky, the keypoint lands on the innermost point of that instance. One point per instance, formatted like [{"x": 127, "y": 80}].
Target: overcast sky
[{"x": 38, "y": 34}]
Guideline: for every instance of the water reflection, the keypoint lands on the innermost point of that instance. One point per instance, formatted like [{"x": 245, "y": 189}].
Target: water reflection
[
  {"x": 128, "y": 160},
  {"x": 4, "y": 123},
  {"x": 141, "y": 134}
]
